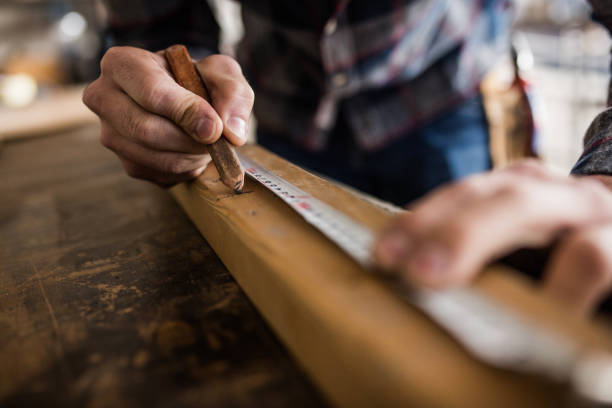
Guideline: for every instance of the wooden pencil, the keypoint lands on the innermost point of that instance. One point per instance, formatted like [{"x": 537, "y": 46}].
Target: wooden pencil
[{"x": 222, "y": 152}]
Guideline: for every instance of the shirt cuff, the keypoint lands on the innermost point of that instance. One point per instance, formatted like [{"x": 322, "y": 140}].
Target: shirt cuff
[{"x": 597, "y": 155}]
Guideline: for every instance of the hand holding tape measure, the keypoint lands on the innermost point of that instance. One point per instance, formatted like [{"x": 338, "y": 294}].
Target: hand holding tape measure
[{"x": 490, "y": 332}]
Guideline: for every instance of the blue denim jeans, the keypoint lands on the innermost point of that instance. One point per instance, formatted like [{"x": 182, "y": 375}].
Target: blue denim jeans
[{"x": 449, "y": 147}]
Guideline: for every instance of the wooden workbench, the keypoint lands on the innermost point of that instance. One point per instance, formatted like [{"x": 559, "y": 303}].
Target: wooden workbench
[{"x": 109, "y": 296}]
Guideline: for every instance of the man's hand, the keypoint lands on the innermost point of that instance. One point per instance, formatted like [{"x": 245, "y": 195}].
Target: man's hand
[
  {"x": 158, "y": 129},
  {"x": 456, "y": 230}
]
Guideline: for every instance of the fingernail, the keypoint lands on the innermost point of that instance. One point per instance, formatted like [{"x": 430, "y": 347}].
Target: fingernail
[
  {"x": 392, "y": 248},
  {"x": 237, "y": 126},
  {"x": 429, "y": 262},
  {"x": 205, "y": 129}
]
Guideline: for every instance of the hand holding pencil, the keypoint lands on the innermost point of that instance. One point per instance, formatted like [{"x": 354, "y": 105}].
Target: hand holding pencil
[{"x": 161, "y": 131}]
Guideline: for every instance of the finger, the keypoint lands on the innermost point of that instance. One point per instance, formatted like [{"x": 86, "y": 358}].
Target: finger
[
  {"x": 397, "y": 240},
  {"x": 580, "y": 272},
  {"x": 453, "y": 251},
  {"x": 144, "y": 76},
  {"x": 534, "y": 169},
  {"x": 453, "y": 196},
  {"x": 142, "y": 127},
  {"x": 170, "y": 163},
  {"x": 529, "y": 213},
  {"x": 230, "y": 94},
  {"x": 161, "y": 179},
  {"x": 477, "y": 187}
]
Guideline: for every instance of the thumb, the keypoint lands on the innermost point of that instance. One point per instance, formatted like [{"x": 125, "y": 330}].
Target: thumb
[{"x": 230, "y": 95}]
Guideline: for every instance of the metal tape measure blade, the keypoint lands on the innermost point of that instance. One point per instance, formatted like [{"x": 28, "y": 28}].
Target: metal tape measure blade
[{"x": 352, "y": 237}]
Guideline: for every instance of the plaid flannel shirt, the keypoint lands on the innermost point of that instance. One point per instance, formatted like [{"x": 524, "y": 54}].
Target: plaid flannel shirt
[
  {"x": 597, "y": 155},
  {"x": 392, "y": 64}
]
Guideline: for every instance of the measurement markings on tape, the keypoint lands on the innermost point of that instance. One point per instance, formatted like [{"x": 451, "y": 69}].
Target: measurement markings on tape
[
  {"x": 490, "y": 332},
  {"x": 352, "y": 237}
]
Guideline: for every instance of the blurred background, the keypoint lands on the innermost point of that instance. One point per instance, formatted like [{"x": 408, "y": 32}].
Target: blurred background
[{"x": 50, "y": 48}]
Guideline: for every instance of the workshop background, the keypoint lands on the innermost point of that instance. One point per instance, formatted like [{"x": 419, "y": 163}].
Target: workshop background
[{"x": 49, "y": 48}]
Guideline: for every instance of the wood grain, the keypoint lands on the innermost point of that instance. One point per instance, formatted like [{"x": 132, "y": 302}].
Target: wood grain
[
  {"x": 363, "y": 345},
  {"x": 109, "y": 297}
]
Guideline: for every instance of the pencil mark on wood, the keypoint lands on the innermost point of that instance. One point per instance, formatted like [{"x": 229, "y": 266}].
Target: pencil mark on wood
[{"x": 231, "y": 195}]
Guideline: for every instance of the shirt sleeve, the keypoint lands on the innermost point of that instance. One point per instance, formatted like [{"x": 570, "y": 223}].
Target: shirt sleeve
[
  {"x": 157, "y": 24},
  {"x": 597, "y": 154}
]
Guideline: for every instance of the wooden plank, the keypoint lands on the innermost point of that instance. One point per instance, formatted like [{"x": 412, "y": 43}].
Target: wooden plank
[
  {"x": 61, "y": 110},
  {"x": 360, "y": 342}
]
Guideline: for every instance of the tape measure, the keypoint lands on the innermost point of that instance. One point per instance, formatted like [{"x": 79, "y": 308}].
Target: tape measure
[{"x": 489, "y": 332}]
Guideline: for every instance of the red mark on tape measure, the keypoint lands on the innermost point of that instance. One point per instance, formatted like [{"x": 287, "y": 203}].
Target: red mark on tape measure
[{"x": 304, "y": 205}]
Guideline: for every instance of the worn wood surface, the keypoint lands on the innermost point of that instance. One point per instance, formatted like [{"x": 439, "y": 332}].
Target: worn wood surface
[
  {"x": 360, "y": 342},
  {"x": 110, "y": 297}
]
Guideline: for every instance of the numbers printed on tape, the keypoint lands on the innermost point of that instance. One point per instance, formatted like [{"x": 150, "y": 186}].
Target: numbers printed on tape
[{"x": 352, "y": 237}]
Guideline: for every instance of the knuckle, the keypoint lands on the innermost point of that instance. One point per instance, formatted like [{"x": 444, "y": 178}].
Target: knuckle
[
  {"x": 596, "y": 257},
  {"x": 245, "y": 92},
  {"x": 185, "y": 112},
  {"x": 459, "y": 231},
  {"x": 234, "y": 94},
  {"x": 232, "y": 87},
  {"x": 88, "y": 97},
  {"x": 107, "y": 139},
  {"x": 469, "y": 187},
  {"x": 532, "y": 167},
  {"x": 109, "y": 59},
  {"x": 525, "y": 164},
  {"x": 142, "y": 128},
  {"x": 91, "y": 96},
  {"x": 515, "y": 192},
  {"x": 250, "y": 95},
  {"x": 174, "y": 165},
  {"x": 222, "y": 63},
  {"x": 153, "y": 93}
]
